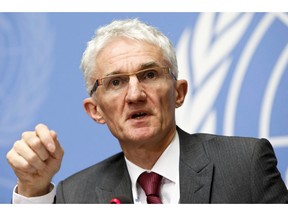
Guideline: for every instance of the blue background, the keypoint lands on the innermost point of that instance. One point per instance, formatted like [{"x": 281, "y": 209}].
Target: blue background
[{"x": 40, "y": 82}]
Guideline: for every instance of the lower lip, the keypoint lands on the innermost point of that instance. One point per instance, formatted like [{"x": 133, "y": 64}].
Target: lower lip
[{"x": 139, "y": 119}]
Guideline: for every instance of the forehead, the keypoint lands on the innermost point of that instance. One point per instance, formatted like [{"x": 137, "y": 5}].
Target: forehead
[{"x": 127, "y": 55}]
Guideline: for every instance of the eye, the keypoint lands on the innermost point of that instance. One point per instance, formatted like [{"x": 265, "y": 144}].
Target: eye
[
  {"x": 150, "y": 75},
  {"x": 115, "y": 83}
]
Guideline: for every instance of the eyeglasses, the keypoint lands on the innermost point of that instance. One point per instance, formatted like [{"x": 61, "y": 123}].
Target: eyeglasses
[{"x": 147, "y": 77}]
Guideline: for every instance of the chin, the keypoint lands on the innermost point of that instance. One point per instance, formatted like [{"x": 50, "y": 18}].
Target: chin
[{"x": 142, "y": 133}]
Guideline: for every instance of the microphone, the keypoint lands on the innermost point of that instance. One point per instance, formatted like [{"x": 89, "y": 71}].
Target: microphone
[{"x": 120, "y": 200}]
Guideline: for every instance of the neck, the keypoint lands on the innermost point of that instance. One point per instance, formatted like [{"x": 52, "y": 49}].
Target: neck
[{"x": 146, "y": 154}]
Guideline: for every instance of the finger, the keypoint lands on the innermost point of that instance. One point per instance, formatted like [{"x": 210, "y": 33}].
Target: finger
[
  {"x": 36, "y": 145},
  {"x": 44, "y": 135},
  {"x": 53, "y": 134},
  {"x": 58, "y": 153},
  {"x": 24, "y": 150},
  {"x": 18, "y": 163}
]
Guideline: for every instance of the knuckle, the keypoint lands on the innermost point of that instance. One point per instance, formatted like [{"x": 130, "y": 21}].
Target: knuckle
[
  {"x": 42, "y": 132},
  {"x": 9, "y": 155},
  {"x": 25, "y": 167},
  {"x": 33, "y": 158},
  {"x": 17, "y": 145},
  {"x": 34, "y": 143},
  {"x": 12, "y": 158},
  {"x": 40, "y": 126},
  {"x": 26, "y": 134}
]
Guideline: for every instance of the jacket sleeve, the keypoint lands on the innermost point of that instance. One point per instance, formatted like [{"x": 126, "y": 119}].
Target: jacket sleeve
[
  {"x": 59, "y": 198},
  {"x": 267, "y": 185}
]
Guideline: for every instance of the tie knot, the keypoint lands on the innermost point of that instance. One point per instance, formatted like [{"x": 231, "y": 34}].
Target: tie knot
[{"x": 150, "y": 182}]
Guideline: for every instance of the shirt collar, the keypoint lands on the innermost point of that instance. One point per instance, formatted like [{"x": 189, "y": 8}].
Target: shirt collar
[{"x": 167, "y": 165}]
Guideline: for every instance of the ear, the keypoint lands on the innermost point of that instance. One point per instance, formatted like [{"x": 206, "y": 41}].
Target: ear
[
  {"x": 92, "y": 110},
  {"x": 181, "y": 91}
]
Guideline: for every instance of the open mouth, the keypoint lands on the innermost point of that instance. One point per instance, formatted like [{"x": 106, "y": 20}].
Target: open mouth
[{"x": 138, "y": 115}]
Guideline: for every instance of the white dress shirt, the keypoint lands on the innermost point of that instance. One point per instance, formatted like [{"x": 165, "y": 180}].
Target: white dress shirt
[
  {"x": 45, "y": 199},
  {"x": 167, "y": 166}
]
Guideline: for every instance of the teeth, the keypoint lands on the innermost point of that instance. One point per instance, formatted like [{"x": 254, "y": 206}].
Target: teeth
[{"x": 138, "y": 115}]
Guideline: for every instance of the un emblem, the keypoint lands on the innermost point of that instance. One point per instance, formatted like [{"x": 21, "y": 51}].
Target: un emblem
[
  {"x": 236, "y": 65},
  {"x": 26, "y": 45}
]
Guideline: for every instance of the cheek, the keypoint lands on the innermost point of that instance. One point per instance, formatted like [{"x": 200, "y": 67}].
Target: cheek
[
  {"x": 109, "y": 109},
  {"x": 167, "y": 102}
]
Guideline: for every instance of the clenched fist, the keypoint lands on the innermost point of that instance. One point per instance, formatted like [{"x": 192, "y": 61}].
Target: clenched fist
[{"x": 35, "y": 159}]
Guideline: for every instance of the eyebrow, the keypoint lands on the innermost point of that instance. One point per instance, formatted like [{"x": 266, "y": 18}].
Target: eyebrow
[{"x": 140, "y": 67}]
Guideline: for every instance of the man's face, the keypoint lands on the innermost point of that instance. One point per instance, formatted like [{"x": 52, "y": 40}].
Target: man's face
[{"x": 138, "y": 114}]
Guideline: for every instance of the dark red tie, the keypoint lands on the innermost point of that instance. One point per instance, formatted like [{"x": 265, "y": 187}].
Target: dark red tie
[{"x": 150, "y": 182}]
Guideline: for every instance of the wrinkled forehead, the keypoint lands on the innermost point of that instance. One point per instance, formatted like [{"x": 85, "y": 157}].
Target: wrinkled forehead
[{"x": 127, "y": 55}]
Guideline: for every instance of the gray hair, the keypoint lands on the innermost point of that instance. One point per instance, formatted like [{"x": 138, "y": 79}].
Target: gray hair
[{"x": 130, "y": 28}]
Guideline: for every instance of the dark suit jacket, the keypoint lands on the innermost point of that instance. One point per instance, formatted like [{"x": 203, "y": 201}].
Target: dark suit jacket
[{"x": 213, "y": 169}]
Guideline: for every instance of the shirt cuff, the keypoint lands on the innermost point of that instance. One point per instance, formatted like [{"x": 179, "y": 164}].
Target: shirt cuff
[{"x": 45, "y": 199}]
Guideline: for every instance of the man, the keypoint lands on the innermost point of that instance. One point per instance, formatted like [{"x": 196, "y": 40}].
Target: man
[{"x": 130, "y": 70}]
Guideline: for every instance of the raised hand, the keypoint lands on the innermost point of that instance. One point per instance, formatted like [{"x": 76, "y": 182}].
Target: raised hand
[{"x": 35, "y": 159}]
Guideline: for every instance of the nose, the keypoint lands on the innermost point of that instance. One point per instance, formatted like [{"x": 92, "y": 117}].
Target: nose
[{"x": 135, "y": 91}]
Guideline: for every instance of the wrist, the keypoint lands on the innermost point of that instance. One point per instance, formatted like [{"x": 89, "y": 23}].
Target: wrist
[
  {"x": 45, "y": 199},
  {"x": 33, "y": 190}
]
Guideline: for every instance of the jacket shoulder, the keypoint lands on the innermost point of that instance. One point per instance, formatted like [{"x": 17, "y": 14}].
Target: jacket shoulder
[
  {"x": 80, "y": 187},
  {"x": 213, "y": 143},
  {"x": 99, "y": 169}
]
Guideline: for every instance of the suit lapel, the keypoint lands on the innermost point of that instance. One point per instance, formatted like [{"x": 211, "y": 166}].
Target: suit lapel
[
  {"x": 116, "y": 185},
  {"x": 196, "y": 174},
  {"x": 196, "y": 171},
  {"x": 195, "y": 186}
]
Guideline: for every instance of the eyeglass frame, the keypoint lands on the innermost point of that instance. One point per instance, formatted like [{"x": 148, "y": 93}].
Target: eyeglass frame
[{"x": 98, "y": 82}]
